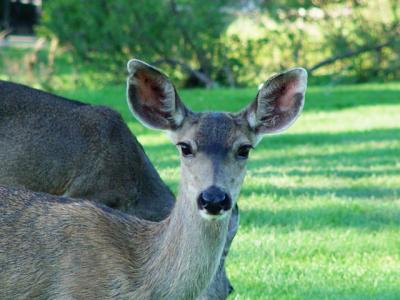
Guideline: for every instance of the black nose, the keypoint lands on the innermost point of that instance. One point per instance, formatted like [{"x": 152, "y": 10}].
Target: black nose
[{"x": 214, "y": 200}]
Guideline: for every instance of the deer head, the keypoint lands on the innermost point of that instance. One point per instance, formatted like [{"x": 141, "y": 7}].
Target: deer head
[{"x": 214, "y": 146}]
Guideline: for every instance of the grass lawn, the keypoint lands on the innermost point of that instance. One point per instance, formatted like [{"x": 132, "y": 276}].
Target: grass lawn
[{"x": 320, "y": 206}]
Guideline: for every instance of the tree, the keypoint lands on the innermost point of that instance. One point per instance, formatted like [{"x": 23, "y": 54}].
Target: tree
[
  {"x": 210, "y": 42},
  {"x": 356, "y": 37},
  {"x": 177, "y": 33}
]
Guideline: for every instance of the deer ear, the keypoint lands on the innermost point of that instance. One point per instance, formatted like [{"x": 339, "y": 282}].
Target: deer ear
[
  {"x": 279, "y": 102},
  {"x": 152, "y": 97}
]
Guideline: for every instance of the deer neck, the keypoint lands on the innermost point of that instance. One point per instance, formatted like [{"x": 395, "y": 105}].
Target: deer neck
[{"x": 186, "y": 251}]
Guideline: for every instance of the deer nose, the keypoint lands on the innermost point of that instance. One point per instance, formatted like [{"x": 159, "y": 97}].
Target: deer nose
[{"x": 214, "y": 200}]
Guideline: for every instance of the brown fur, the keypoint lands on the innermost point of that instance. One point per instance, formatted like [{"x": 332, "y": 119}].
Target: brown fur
[{"x": 88, "y": 251}]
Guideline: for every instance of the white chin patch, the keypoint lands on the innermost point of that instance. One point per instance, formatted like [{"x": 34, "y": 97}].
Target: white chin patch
[{"x": 205, "y": 215}]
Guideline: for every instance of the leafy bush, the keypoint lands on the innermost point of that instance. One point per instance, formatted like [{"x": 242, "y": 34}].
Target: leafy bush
[
  {"x": 177, "y": 33},
  {"x": 232, "y": 42}
]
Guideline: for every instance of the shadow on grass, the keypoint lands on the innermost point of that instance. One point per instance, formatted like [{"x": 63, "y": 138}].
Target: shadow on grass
[
  {"x": 387, "y": 294},
  {"x": 343, "y": 98},
  {"x": 345, "y": 173},
  {"x": 329, "y": 215},
  {"x": 352, "y": 137},
  {"x": 362, "y": 158},
  {"x": 366, "y": 157},
  {"x": 351, "y": 192}
]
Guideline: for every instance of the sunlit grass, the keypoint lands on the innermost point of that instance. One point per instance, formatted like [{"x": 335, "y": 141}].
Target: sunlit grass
[{"x": 320, "y": 208}]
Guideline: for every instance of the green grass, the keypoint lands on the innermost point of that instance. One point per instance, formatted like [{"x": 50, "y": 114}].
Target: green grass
[{"x": 320, "y": 208}]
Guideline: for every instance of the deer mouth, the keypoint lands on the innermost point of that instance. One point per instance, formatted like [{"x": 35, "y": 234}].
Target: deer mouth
[{"x": 210, "y": 217}]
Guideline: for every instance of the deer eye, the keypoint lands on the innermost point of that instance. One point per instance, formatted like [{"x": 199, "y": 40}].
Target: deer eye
[
  {"x": 243, "y": 151},
  {"x": 186, "y": 149}
]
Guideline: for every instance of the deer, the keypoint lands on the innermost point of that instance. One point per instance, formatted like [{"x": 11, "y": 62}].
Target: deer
[
  {"x": 55, "y": 247},
  {"x": 40, "y": 133}
]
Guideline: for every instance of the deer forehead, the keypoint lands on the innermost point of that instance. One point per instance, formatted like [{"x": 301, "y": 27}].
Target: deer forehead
[{"x": 215, "y": 132}]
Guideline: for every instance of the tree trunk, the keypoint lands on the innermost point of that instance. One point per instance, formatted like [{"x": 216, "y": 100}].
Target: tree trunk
[{"x": 200, "y": 76}]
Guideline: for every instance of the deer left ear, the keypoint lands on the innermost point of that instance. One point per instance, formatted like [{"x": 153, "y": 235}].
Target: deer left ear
[
  {"x": 279, "y": 102},
  {"x": 152, "y": 97}
]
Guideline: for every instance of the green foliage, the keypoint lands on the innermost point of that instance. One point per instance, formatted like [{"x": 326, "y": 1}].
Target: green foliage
[
  {"x": 232, "y": 42},
  {"x": 356, "y": 39},
  {"x": 320, "y": 208},
  {"x": 108, "y": 33}
]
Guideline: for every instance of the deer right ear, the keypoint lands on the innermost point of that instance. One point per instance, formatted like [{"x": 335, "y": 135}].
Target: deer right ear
[
  {"x": 152, "y": 97},
  {"x": 278, "y": 104}
]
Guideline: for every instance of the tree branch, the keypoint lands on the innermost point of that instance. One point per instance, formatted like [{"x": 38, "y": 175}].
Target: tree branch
[{"x": 350, "y": 53}]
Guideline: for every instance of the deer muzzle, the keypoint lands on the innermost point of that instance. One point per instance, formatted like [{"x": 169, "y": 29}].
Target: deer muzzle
[{"x": 214, "y": 201}]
